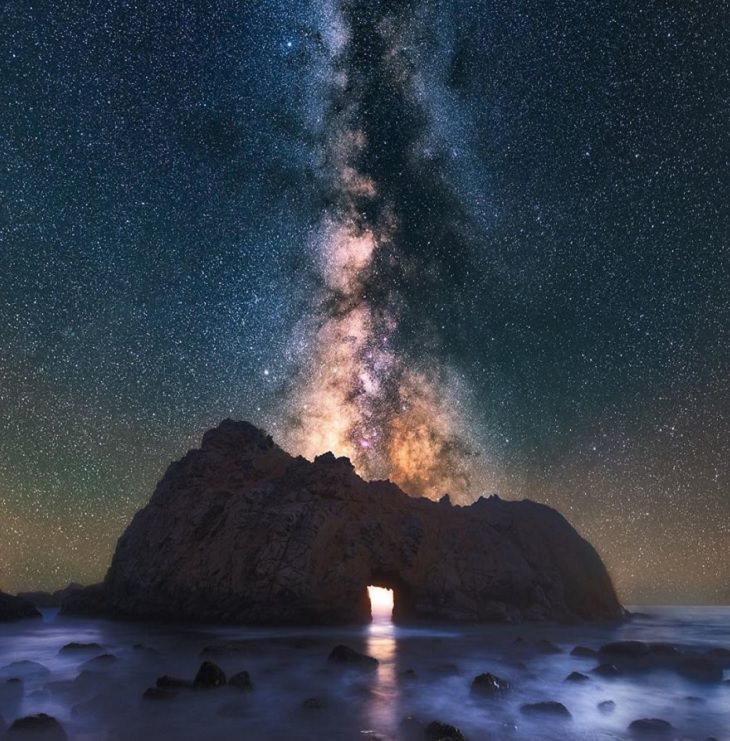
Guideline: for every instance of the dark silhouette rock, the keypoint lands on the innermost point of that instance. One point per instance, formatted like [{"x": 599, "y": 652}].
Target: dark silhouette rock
[
  {"x": 489, "y": 685},
  {"x": 209, "y": 675},
  {"x": 664, "y": 650},
  {"x": 607, "y": 706},
  {"x": 103, "y": 661},
  {"x": 549, "y": 707},
  {"x": 607, "y": 670},
  {"x": 651, "y": 727},
  {"x": 159, "y": 693},
  {"x": 166, "y": 682},
  {"x": 577, "y": 677},
  {"x": 50, "y": 599},
  {"x": 16, "y": 608},
  {"x": 23, "y": 669},
  {"x": 700, "y": 669},
  {"x": 548, "y": 647},
  {"x": 41, "y": 726},
  {"x": 584, "y": 652},
  {"x": 242, "y": 681},
  {"x": 239, "y": 531},
  {"x": 349, "y": 657},
  {"x": 75, "y": 647},
  {"x": 438, "y": 731},
  {"x": 626, "y": 649}
]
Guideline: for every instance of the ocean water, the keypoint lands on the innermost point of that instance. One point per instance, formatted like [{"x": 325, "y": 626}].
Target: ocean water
[{"x": 425, "y": 674}]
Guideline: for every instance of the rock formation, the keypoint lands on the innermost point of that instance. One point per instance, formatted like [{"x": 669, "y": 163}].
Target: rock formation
[
  {"x": 240, "y": 531},
  {"x": 15, "y": 608}
]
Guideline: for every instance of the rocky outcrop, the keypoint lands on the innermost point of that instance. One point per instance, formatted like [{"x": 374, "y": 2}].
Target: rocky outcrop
[
  {"x": 240, "y": 531},
  {"x": 50, "y": 599},
  {"x": 15, "y": 608}
]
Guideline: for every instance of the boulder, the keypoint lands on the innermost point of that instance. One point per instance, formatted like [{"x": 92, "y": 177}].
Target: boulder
[
  {"x": 700, "y": 669},
  {"x": 209, "y": 675},
  {"x": 651, "y": 727},
  {"x": 584, "y": 652},
  {"x": 76, "y": 647},
  {"x": 349, "y": 657},
  {"x": 41, "y": 727},
  {"x": 239, "y": 531},
  {"x": 626, "y": 649},
  {"x": 16, "y": 608},
  {"x": 548, "y": 707},
  {"x": 242, "y": 681},
  {"x": 489, "y": 685},
  {"x": 607, "y": 670},
  {"x": 607, "y": 706},
  {"x": 438, "y": 731},
  {"x": 577, "y": 677}
]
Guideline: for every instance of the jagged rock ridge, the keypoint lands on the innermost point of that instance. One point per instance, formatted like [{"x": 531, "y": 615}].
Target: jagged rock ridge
[{"x": 240, "y": 531}]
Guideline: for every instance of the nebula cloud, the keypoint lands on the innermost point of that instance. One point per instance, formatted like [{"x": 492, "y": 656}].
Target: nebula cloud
[{"x": 358, "y": 394}]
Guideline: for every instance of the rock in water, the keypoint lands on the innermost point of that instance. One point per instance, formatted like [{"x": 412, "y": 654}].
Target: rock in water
[
  {"x": 41, "y": 727},
  {"x": 209, "y": 675},
  {"x": 239, "y": 531},
  {"x": 16, "y": 608},
  {"x": 350, "y": 657}
]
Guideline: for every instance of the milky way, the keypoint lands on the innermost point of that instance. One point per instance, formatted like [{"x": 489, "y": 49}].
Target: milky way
[{"x": 359, "y": 395}]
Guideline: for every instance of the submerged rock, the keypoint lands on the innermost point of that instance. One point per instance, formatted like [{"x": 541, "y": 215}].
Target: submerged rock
[
  {"x": 438, "y": 731},
  {"x": 16, "y": 608},
  {"x": 346, "y": 655},
  {"x": 577, "y": 677},
  {"x": 240, "y": 531},
  {"x": 626, "y": 649},
  {"x": 584, "y": 652},
  {"x": 209, "y": 675},
  {"x": 700, "y": 669},
  {"x": 41, "y": 727},
  {"x": 74, "y": 646},
  {"x": 607, "y": 706},
  {"x": 489, "y": 684},
  {"x": 548, "y": 707},
  {"x": 651, "y": 727},
  {"x": 242, "y": 681}
]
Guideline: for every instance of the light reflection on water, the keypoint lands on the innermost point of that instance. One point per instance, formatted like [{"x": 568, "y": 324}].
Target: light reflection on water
[{"x": 289, "y": 665}]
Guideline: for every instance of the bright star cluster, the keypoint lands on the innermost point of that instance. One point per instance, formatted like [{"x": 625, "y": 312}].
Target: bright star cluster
[{"x": 474, "y": 245}]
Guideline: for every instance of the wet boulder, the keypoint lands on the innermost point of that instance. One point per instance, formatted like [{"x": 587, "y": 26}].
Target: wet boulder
[
  {"x": 489, "y": 685},
  {"x": 438, "y": 731},
  {"x": 209, "y": 676},
  {"x": 242, "y": 681},
  {"x": 24, "y": 669},
  {"x": 607, "y": 670},
  {"x": 651, "y": 727},
  {"x": 626, "y": 649},
  {"x": 584, "y": 652},
  {"x": 76, "y": 647},
  {"x": 349, "y": 657},
  {"x": 172, "y": 683},
  {"x": 577, "y": 677},
  {"x": 40, "y": 727},
  {"x": 607, "y": 706},
  {"x": 548, "y": 647},
  {"x": 700, "y": 669},
  {"x": 547, "y": 708},
  {"x": 159, "y": 693}
]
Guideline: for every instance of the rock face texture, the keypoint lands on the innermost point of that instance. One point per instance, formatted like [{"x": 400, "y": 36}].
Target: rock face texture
[
  {"x": 15, "y": 608},
  {"x": 240, "y": 531}
]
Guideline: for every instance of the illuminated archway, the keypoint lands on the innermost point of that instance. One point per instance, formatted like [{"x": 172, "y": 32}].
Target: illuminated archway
[{"x": 381, "y": 603}]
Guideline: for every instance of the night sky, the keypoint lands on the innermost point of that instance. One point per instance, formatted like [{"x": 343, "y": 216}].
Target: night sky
[{"x": 476, "y": 246}]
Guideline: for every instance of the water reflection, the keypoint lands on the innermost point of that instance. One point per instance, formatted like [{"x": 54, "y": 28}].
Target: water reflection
[{"x": 383, "y": 702}]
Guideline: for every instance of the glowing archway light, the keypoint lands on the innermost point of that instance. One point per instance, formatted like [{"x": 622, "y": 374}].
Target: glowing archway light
[{"x": 381, "y": 603}]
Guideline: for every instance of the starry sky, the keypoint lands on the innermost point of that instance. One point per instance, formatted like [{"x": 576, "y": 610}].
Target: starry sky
[{"x": 478, "y": 246}]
